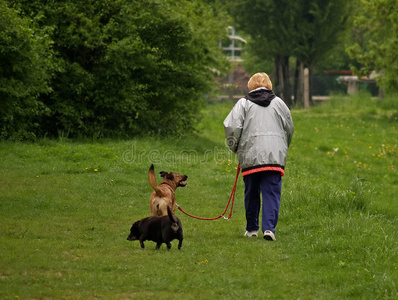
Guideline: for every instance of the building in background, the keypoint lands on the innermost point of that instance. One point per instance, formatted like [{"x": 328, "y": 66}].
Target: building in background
[{"x": 235, "y": 84}]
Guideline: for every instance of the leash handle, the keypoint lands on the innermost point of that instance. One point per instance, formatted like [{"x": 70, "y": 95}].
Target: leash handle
[{"x": 230, "y": 201}]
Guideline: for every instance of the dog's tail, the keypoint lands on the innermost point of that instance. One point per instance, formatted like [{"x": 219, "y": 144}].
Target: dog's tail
[
  {"x": 170, "y": 215},
  {"x": 152, "y": 180},
  {"x": 174, "y": 224}
]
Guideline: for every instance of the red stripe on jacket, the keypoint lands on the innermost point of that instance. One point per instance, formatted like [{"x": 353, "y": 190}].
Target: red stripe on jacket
[{"x": 261, "y": 169}]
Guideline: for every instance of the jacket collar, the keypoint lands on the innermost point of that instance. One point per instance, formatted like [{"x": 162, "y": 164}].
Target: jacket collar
[{"x": 261, "y": 96}]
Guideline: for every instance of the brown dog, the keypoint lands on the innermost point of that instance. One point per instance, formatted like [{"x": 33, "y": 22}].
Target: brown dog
[{"x": 163, "y": 194}]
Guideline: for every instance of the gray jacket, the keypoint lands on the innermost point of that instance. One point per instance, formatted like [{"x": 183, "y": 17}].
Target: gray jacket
[{"x": 259, "y": 129}]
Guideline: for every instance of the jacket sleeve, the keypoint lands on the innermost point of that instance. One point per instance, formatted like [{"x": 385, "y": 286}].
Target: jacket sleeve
[
  {"x": 287, "y": 123},
  {"x": 233, "y": 125},
  {"x": 289, "y": 129}
]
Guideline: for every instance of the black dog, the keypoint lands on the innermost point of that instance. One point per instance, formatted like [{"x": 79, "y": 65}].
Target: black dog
[{"x": 158, "y": 229}]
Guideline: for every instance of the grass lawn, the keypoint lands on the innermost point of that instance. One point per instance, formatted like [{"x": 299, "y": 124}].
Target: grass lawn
[{"x": 66, "y": 208}]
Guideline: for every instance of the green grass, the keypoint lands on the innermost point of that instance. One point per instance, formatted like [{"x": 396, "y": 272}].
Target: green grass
[{"x": 66, "y": 208}]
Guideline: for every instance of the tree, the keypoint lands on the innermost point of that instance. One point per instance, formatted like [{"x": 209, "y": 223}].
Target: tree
[
  {"x": 321, "y": 26},
  {"x": 127, "y": 68},
  {"x": 376, "y": 42},
  {"x": 305, "y": 29},
  {"x": 25, "y": 72},
  {"x": 261, "y": 19}
]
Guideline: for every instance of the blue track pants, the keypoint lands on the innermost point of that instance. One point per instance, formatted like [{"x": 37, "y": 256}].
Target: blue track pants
[{"x": 269, "y": 185}]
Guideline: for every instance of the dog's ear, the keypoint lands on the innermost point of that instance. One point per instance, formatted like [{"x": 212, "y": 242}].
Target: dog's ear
[{"x": 166, "y": 175}]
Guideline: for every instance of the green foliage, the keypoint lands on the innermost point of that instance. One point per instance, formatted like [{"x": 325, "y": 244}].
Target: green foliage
[
  {"x": 322, "y": 26},
  {"x": 304, "y": 29},
  {"x": 253, "y": 63},
  {"x": 66, "y": 208},
  {"x": 127, "y": 68},
  {"x": 376, "y": 42},
  {"x": 308, "y": 31},
  {"x": 25, "y": 72}
]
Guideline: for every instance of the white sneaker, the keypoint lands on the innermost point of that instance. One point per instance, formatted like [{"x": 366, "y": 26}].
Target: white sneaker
[
  {"x": 251, "y": 234},
  {"x": 269, "y": 235}
]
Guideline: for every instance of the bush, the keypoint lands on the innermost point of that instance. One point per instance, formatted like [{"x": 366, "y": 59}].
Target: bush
[
  {"x": 25, "y": 71},
  {"x": 128, "y": 68}
]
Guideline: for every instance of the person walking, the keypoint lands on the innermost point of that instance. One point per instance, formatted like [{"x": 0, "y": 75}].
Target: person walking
[{"x": 259, "y": 129}]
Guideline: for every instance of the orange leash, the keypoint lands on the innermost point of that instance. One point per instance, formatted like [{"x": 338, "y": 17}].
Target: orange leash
[{"x": 230, "y": 201}]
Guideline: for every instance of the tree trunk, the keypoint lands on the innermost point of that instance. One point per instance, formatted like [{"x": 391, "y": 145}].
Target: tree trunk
[
  {"x": 311, "y": 71},
  {"x": 299, "y": 92},
  {"x": 306, "y": 88},
  {"x": 283, "y": 86},
  {"x": 279, "y": 84}
]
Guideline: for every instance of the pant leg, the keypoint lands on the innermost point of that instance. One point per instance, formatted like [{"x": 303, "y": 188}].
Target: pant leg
[
  {"x": 252, "y": 201},
  {"x": 270, "y": 185}
]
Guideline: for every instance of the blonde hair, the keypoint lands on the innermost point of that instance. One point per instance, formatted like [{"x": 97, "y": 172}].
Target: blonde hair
[{"x": 259, "y": 80}]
